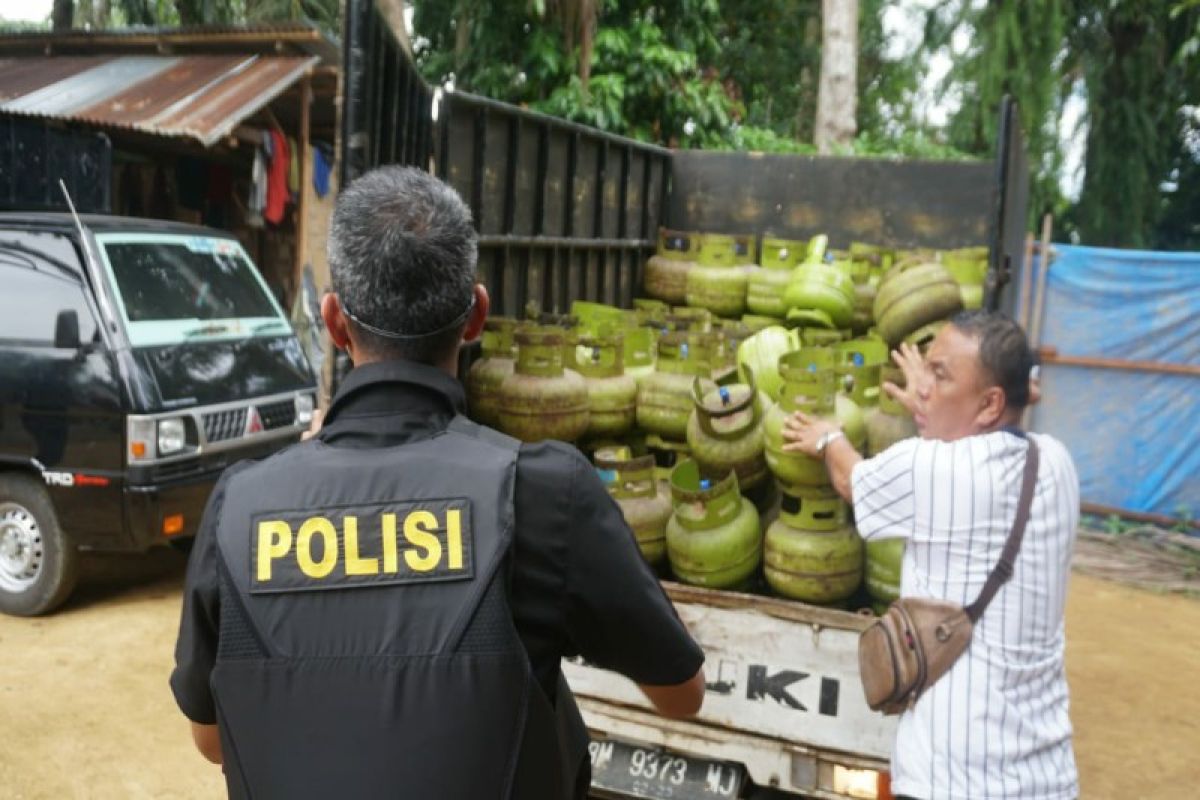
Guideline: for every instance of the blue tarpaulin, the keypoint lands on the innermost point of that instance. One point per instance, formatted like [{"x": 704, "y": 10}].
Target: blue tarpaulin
[{"x": 1135, "y": 436}]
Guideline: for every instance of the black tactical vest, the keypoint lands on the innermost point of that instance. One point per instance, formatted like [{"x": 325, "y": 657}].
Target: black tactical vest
[{"x": 366, "y": 646}]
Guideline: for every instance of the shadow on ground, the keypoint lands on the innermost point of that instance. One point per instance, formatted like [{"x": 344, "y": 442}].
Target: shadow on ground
[{"x": 106, "y": 577}]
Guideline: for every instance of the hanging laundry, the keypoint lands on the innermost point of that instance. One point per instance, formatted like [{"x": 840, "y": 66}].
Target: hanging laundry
[
  {"x": 293, "y": 180},
  {"x": 277, "y": 171},
  {"x": 257, "y": 199},
  {"x": 322, "y": 166}
]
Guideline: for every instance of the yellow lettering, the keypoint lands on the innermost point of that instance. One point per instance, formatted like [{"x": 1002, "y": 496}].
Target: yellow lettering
[
  {"x": 329, "y": 555},
  {"x": 274, "y": 541},
  {"x": 389, "y": 544},
  {"x": 417, "y": 526},
  {"x": 354, "y": 564},
  {"x": 454, "y": 538}
]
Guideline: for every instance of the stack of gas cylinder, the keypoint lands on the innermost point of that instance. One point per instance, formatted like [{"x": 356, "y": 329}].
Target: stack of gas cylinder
[{"x": 681, "y": 401}]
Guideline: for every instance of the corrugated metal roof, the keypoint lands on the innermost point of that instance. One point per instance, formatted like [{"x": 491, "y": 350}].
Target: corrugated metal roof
[{"x": 202, "y": 97}]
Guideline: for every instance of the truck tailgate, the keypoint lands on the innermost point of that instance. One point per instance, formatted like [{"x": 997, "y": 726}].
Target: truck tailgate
[{"x": 783, "y": 692}]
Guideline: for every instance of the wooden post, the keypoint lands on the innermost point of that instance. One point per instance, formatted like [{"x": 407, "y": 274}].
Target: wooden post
[
  {"x": 1025, "y": 302},
  {"x": 1044, "y": 261},
  {"x": 305, "y": 157}
]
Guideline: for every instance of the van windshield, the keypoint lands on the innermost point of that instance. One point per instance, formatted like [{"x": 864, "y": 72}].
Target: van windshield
[{"x": 173, "y": 288}]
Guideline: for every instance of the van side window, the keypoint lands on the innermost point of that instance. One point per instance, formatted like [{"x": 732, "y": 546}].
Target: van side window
[{"x": 41, "y": 276}]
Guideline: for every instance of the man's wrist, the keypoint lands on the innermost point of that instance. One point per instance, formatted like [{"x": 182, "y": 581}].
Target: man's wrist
[{"x": 826, "y": 439}]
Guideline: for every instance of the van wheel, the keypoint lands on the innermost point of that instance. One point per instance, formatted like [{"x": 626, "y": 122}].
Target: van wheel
[{"x": 38, "y": 566}]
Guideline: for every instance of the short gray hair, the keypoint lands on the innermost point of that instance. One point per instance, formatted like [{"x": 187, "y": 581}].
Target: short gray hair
[{"x": 402, "y": 256}]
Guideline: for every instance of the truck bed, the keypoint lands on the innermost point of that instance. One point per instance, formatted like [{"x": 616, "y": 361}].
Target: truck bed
[{"x": 783, "y": 701}]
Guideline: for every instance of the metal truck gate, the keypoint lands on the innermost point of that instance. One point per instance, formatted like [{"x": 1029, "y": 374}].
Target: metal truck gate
[{"x": 566, "y": 212}]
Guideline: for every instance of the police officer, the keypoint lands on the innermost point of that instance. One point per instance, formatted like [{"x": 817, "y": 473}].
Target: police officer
[{"x": 381, "y": 611}]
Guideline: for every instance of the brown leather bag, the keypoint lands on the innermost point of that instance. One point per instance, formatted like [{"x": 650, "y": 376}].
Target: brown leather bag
[{"x": 918, "y": 639}]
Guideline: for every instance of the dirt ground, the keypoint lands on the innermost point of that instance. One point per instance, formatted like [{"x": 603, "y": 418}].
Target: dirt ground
[{"x": 85, "y": 711}]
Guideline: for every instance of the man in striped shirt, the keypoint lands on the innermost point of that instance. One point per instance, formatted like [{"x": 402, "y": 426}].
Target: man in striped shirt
[{"x": 996, "y": 725}]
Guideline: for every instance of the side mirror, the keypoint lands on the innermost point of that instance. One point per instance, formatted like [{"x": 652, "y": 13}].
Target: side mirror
[{"x": 66, "y": 330}]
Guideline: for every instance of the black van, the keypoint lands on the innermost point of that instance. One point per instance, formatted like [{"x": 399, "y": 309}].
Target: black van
[{"x": 138, "y": 359}]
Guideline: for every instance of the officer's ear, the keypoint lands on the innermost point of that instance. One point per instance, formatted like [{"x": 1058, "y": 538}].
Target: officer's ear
[
  {"x": 479, "y": 312},
  {"x": 335, "y": 321}
]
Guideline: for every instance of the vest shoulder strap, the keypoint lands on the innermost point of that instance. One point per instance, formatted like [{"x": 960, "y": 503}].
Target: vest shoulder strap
[{"x": 466, "y": 427}]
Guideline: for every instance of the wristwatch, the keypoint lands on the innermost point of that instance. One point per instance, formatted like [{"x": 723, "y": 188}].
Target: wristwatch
[{"x": 826, "y": 439}]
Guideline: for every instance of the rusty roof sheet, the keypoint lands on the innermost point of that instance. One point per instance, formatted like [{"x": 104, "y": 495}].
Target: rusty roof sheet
[{"x": 202, "y": 97}]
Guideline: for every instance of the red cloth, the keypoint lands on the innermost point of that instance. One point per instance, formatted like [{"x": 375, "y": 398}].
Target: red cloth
[{"x": 277, "y": 176}]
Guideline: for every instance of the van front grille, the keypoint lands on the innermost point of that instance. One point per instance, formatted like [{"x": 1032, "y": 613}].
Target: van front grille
[
  {"x": 220, "y": 426},
  {"x": 277, "y": 415}
]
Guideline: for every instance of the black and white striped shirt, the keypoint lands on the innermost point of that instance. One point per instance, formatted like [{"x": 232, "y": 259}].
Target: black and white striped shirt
[{"x": 996, "y": 725}]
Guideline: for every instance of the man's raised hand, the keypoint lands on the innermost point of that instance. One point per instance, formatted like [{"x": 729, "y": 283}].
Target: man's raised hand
[{"x": 908, "y": 357}]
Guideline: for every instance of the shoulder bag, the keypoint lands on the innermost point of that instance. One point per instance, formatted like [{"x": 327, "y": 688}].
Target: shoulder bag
[{"x": 918, "y": 639}]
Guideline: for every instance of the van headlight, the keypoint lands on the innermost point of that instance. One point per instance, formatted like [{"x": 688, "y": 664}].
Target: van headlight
[
  {"x": 304, "y": 409},
  {"x": 172, "y": 436}
]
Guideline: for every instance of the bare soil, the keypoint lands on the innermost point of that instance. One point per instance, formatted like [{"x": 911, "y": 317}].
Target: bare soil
[{"x": 85, "y": 711}]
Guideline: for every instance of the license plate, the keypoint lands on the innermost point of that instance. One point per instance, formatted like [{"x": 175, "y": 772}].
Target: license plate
[{"x": 632, "y": 771}]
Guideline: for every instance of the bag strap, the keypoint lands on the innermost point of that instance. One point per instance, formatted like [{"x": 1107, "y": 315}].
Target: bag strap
[{"x": 1004, "y": 570}]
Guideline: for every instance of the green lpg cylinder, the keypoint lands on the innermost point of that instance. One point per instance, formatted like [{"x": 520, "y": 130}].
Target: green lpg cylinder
[
  {"x": 664, "y": 399},
  {"x": 912, "y": 297},
  {"x": 968, "y": 267},
  {"x": 713, "y": 537},
  {"x": 718, "y": 282},
  {"x": 486, "y": 375},
  {"x": 811, "y": 552},
  {"x": 812, "y": 391},
  {"x": 823, "y": 293},
  {"x": 819, "y": 337},
  {"x": 756, "y": 322},
  {"x": 725, "y": 432},
  {"x": 542, "y": 399},
  {"x": 846, "y": 412},
  {"x": 765, "y": 288},
  {"x": 667, "y": 270},
  {"x": 858, "y": 363},
  {"x": 645, "y": 502},
  {"x": 612, "y": 395},
  {"x": 923, "y": 336},
  {"x": 596, "y": 318},
  {"x": 639, "y": 345},
  {"x": 888, "y": 422},
  {"x": 884, "y": 561},
  {"x": 694, "y": 320},
  {"x": 759, "y": 355},
  {"x": 865, "y": 290}
]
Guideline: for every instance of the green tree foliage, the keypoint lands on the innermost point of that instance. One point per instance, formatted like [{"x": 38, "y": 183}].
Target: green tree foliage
[
  {"x": 1015, "y": 49},
  {"x": 738, "y": 74},
  {"x": 1139, "y": 79},
  {"x": 1137, "y": 62},
  {"x": 771, "y": 56}
]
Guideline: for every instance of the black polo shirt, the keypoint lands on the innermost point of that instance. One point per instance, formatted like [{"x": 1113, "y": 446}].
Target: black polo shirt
[{"x": 578, "y": 585}]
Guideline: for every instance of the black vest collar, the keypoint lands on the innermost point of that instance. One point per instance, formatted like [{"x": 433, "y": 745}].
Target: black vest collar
[{"x": 398, "y": 374}]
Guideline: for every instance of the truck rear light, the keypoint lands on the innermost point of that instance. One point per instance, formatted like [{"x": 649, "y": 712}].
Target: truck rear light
[
  {"x": 885, "y": 786},
  {"x": 861, "y": 783},
  {"x": 172, "y": 525}
]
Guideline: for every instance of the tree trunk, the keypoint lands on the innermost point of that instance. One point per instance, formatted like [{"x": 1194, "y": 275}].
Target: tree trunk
[
  {"x": 837, "y": 94},
  {"x": 62, "y": 15},
  {"x": 99, "y": 16},
  {"x": 462, "y": 40}
]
